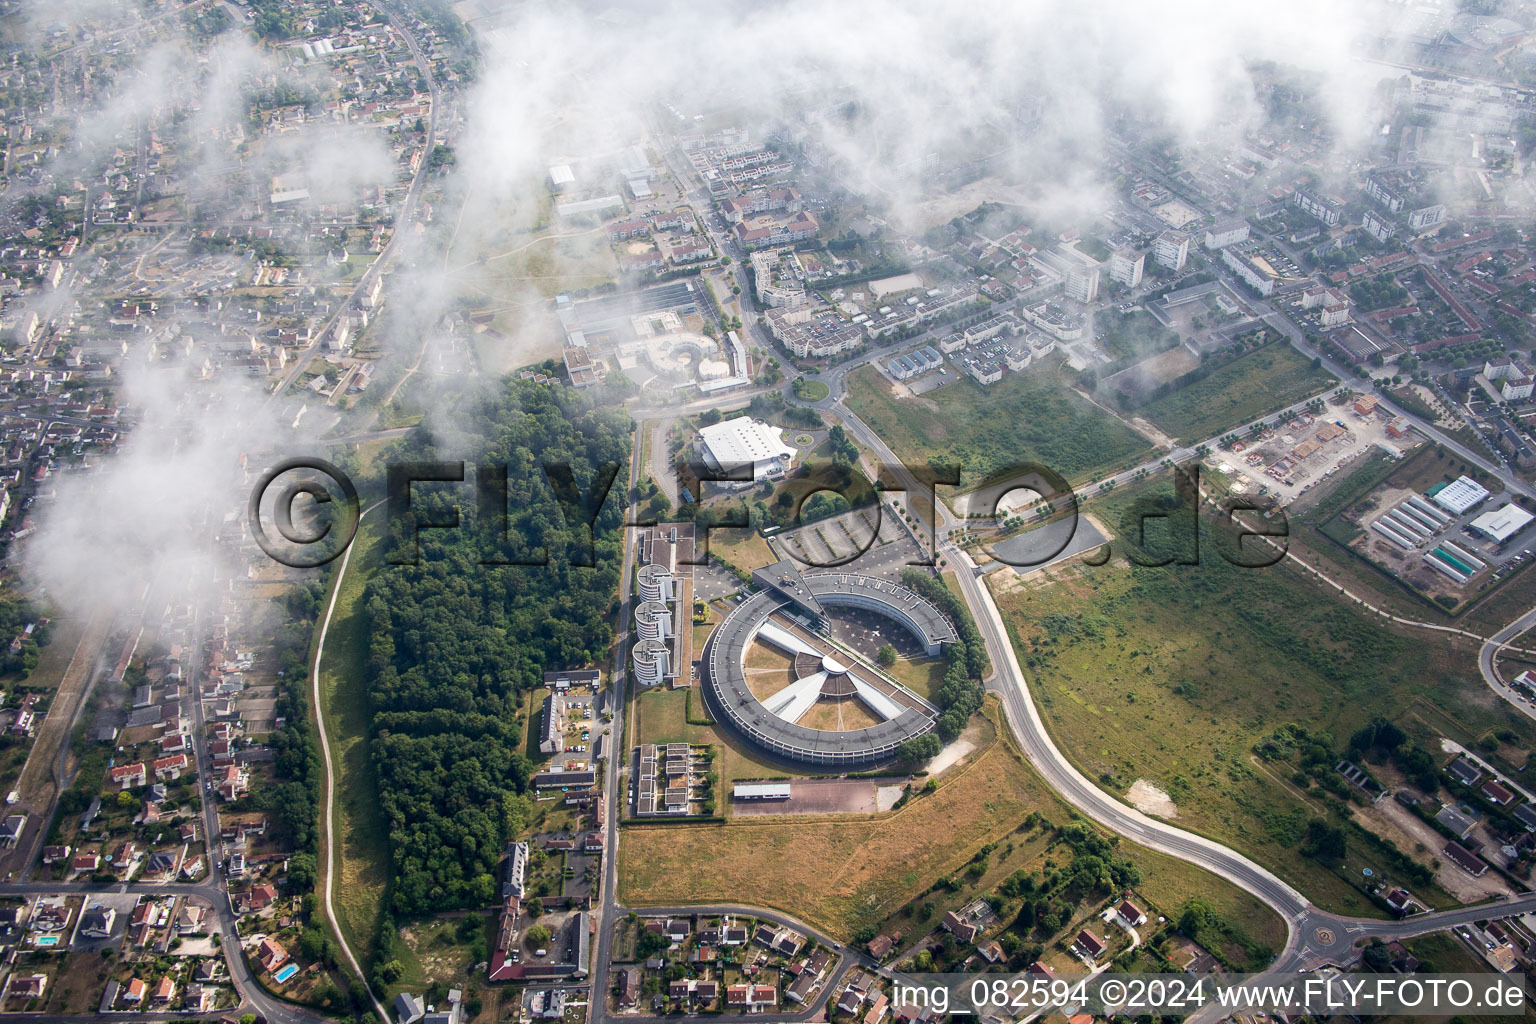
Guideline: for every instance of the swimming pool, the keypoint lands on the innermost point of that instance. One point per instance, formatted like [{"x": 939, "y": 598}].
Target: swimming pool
[
  {"x": 284, "y": 973},
  {"x": 46, "y": 940}
]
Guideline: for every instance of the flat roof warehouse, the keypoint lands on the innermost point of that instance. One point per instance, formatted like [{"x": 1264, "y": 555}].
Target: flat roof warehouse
[
  {"x": 1460, "y": 495},
  {"x": 1499, "y": 525}
]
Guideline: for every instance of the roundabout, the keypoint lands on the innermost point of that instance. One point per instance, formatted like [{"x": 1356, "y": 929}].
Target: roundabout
[{"x": 868, "y": 713}]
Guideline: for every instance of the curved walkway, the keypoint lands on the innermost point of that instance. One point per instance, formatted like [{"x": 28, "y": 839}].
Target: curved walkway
[{"x": 328, "y": 805}]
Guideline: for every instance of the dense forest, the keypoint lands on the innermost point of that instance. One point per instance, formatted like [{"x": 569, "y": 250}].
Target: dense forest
[{"x": 455, "y": 638}]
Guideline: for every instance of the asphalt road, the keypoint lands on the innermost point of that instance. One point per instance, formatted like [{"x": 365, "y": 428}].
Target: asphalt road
[{"x": 1490, "y": 651}]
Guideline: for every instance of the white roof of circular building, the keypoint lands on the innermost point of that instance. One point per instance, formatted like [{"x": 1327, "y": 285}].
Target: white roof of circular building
[{"x": 727, "y": 688}]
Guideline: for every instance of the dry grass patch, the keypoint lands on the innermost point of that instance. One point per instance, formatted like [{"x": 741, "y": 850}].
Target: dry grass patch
[{"x": 839, "y": 716}]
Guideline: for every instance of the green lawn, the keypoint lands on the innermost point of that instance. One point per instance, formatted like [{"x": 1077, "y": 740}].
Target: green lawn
[
  {"x": 1132, "y": 336},
  {"x": 1173, "y": 674},
  {"x": 660, "y": 718},
  {"x": 362, "y": 864},
  {"x": 1250, "y": 386},
  {"x": 922, "y": 676},
  {"x": 1033, "y": 416},
  {"x": 812, "y": 390}
]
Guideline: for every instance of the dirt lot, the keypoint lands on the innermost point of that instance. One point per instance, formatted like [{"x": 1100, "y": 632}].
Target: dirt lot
[
  {"x": 1393, "y": 821},
  {"x": 1363, "y": 434},
  {"x": 817, "y": 796}
]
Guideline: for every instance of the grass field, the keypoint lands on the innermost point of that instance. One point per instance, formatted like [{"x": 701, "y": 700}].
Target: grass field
[
  {"x": 53, "y": 660},
  {"x": 745, "y": 549},
  {"x": 362, "y": 863},
  {"x": 1250, "y": 386},
  {"x": 845, "y": 873},
  {"x": 1173, "y": 674},
  {"x": 812, "y": 390},
  {"x": 661, "y": 717},
  {"x": 922, "y": 676},
  {"x": 1029, "y": 416}
]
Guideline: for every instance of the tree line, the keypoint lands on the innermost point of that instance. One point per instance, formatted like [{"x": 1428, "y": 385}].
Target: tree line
[{"x": 959, "y": 695}]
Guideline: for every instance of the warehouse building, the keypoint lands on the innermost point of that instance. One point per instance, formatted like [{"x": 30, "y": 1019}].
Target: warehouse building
[
  {"x": 744, "y": 443},
  {"x": 1460, "y": 496},
  {"x": 1499, "y": 525}
]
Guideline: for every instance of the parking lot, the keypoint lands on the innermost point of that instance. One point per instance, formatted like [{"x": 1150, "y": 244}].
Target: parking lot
[
  {"x": 822, "y": 796},
  {"x": 850, "y": 542},
  {"x": 1046, "y": 545}
]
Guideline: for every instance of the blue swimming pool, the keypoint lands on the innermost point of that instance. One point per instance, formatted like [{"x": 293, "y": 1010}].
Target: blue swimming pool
[
  {"x": 284, "y": 973},
  {"x": 46, "y": 940}
]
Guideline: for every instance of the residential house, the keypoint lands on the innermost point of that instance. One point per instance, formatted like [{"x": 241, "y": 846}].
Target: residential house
[
  {"x": 1402, "y": 901},
  {"x": 961, "y": 929},
  {"x": 408, "y": 1008},
  {"x": 270, "y": 955},
  {"x": 127, "y": 776},
  {"x": 233, "y": 783},
  {"x": 170, "y": 767},
  {"x": 1496, "y": 793},
  {"x": 189, "y": 919},
  {"x": 1465, "y": 772},
  {"x": 1088, "y": 945},
  {"x": 629, "y": 993},
  {"x": 752, "y": 998},
  {"x": 28, "y": 986},
  {"x": 799, "y": 990},
  {"x": 199, "y": 998},
  {"x": 851, "y": 999},
  {"x": 97, "y": 921}
]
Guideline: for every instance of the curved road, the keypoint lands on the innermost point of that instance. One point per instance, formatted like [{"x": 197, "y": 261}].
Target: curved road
[
  {"x": 1313, "y": 935},
  {"x": 1490, "y": 651}
]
